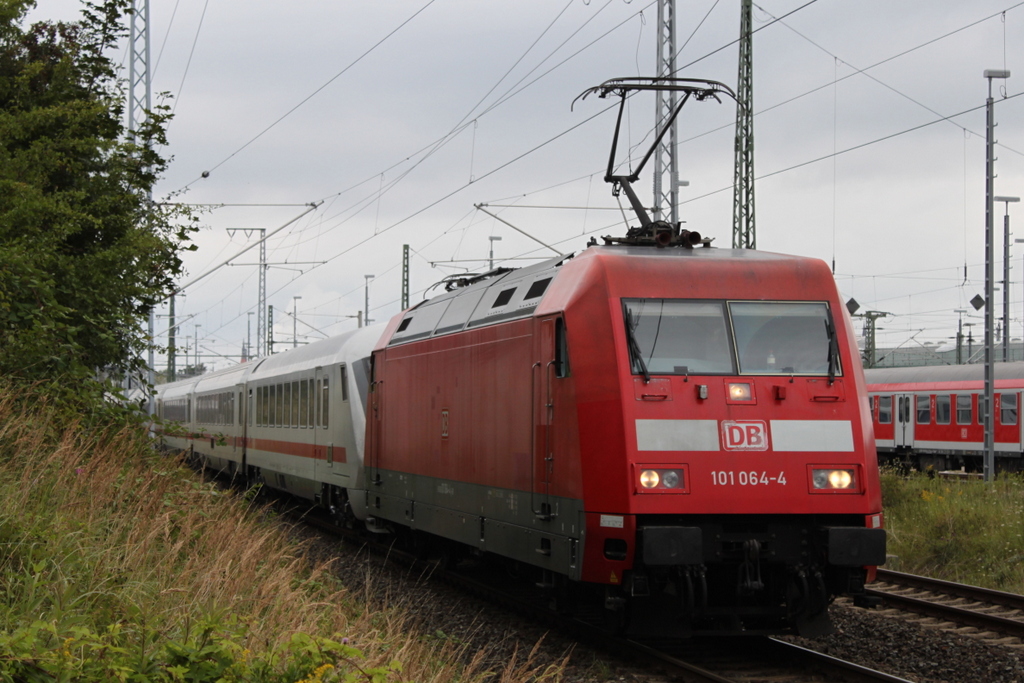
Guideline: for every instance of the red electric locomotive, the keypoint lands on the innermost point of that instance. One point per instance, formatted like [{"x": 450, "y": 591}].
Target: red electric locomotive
[
  {"x": 685, "y": 428},
  {"x": 930, "y": 418}
]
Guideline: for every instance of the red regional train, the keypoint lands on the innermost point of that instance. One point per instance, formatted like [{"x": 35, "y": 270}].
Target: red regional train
[
  {"x": 681, "y": 434},
  {"x": 930, "y": 418}
]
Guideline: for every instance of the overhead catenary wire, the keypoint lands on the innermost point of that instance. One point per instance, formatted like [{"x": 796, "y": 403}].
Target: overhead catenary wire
[
  {"x": 812, "y": 161},
  {"x": 311, "y": 95}
]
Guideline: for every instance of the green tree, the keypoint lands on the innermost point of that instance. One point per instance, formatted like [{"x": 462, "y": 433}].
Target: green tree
[{"x": 84, "y": 253}]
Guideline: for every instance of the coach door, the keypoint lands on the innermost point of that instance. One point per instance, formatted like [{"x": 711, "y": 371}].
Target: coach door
[
  {"x": 240, "y": 423},
  {"x": 904, "y": 420},
  {"x": 323, "y": 451}
]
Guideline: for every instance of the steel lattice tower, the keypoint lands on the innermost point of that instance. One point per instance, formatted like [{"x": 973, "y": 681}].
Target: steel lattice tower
[
  {"x": 262, "y": 347},
  {"x": 743, "y": 234},
  {"x": 405, "y": 276},
  {"x": 139, "y": 106},
  {"x": 666, "y": 185},
  {"x": 140, "y": 92}
]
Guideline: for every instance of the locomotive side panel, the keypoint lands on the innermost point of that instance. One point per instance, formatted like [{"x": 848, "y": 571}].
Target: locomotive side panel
[{"x": 455, "y": 439}]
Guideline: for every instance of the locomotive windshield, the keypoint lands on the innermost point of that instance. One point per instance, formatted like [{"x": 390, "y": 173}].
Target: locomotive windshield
[{"x": 673, "y": 337}]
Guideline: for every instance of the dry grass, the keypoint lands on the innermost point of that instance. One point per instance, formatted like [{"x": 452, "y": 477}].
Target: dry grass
[{"x": 120, "y": 535}]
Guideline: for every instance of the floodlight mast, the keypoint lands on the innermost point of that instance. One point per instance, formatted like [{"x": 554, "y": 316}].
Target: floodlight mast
[{"x": 700, "y": 89}]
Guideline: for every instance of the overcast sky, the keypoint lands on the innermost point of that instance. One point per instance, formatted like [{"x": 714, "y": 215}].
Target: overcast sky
[{"x": 340, "y": 102}]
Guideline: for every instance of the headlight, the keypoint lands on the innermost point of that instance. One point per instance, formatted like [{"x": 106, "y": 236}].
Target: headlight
[
  {"x": 739, "y": 392},
  {"x": 662, "y": 480},
  {"x": 833, "y": 479},
  {"x": 649, "y": 479}
]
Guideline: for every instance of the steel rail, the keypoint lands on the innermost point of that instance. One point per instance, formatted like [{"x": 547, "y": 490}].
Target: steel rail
[{"x": 961, "y": 614}]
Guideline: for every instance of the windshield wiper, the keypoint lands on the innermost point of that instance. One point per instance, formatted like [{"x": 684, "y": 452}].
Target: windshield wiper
[
  {"x": 833, "y": 351},
  {"x": 634, "y": 349}
]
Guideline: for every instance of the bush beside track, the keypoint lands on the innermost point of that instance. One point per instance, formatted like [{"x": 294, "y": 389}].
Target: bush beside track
[
  {"x": 117, "y": 564},
  {"x": 961, "y": 530}
]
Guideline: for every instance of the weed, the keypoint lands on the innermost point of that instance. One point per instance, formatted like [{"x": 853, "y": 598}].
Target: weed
[{"x": 960, "y": 530}]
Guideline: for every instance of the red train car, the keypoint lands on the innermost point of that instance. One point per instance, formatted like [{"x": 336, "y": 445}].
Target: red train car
[
  {"x": 930, "y": 417},
  {"x": 684, "y": 431}
]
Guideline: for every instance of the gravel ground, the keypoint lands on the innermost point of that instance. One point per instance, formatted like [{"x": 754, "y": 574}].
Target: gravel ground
[{"x": 883, "y": 640}]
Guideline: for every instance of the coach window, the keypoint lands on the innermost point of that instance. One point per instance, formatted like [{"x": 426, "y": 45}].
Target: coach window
[
  {"x": 924, "y": 410},
  {"x": 297, "y": 410},
  {"x": 963, "y": 410},
  {"x": 344, "y": 383},
  {"x": 303, "y": 404},
  {"x": 943, "y": 409},
  {"x": 1008, "y": 409},
  {"x": 885, "y": 410},
  {"x": 325, "y": 404},
  {"x": 275, "y": 405}
]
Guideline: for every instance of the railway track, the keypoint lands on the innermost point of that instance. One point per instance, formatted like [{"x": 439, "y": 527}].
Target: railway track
[
  {"x": 981, "y": 608},
  {"x": 699, "y": 660}
]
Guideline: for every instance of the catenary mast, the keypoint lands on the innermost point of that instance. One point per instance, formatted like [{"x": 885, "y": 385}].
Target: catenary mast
[
  {"x": 666, "y": 185},
  {"x": 743, "y": 234},
  {"x": 139, "y": 106}
]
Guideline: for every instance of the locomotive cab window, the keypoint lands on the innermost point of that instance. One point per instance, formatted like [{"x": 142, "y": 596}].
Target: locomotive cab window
[
  {"x": 784, "y": 337},
  {"x": 678, "y": 337},
  {"x": 673, "y": 337}
]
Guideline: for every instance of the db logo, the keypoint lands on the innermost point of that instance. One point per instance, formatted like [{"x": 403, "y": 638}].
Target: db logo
[{"x": 745, "y": 435}]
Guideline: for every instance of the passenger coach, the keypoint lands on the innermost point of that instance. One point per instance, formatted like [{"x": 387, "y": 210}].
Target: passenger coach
[{"x": 931, "y": 417}]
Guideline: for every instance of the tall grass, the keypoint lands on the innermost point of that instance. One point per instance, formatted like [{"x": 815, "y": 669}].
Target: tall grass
[
  {"x": 115, "y": 562},
  {"x": 960, "y": 530}
]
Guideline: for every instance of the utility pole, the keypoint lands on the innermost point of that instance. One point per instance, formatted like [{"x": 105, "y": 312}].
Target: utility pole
[
  {"x": 666, "y": 174},
  {"x": 744, "y": 235},
  {"x": 492, "y": 239},
  {"x": 405, "y": 276},
  {"x": 171, "y": 351},
  {"x": 270, "y": 330},
  {"x": 960, "y": 335},
  {"x": 295, "y": 321},
  {"x": 366, "y": 311},
  {"x": 1006, "y": 273},
  {"x": 261, "y": 306},
  {"x": 990, "y": 451}
]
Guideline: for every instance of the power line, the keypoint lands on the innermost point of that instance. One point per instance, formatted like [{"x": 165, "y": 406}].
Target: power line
[
  {"x": 311, "y": 95},
  {"x": 851, "y": 149}
]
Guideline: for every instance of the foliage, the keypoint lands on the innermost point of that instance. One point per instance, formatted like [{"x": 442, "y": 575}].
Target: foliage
[
  {"x": 961, "y": 530},
  {"x": 86, "y": 254},
  {"x": 117, "y": 563}
]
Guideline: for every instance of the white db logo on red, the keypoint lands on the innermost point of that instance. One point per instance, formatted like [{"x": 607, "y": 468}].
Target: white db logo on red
[{"x": 745, "y": 435}]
